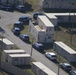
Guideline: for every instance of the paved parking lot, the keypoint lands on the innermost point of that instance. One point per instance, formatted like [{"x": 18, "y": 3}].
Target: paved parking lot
[{"x": 8, "y": 18}]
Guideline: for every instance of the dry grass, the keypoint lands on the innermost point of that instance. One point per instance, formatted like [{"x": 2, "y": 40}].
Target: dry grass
[
  {"x": 64, "y": 36},
  {"x": 34, "y": 5}
]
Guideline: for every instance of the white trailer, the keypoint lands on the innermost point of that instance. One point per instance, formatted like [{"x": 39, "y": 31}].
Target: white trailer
[
  {"x": 19, "y": 59},
  {"x": 39, "y": 69},
  {"x": 52, "y": 18},
  {"x": 45, "y": 24},
  {"x": 15, "y": 51},
  {"x": 65, "y": 51},
  {"x": 61, "y": 17},
  {"x": 7, "y": 44},
  {"x": 40, "y": 35}
]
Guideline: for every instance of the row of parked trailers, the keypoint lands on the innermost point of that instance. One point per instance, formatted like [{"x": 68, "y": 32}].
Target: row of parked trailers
[
  {"x": 12, "y": 55},
  {"x": 65, "y": 51},
  {"x": 40, "y": 69},
  {"x": 20, "y": 57},
  {"x": 16, "y": 57}
]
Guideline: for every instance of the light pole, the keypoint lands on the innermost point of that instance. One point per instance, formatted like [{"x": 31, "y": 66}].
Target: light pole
[
  {"x": 58, "y": 64},
  {"x": 58, "y": 53},
  {"x": 1, "y": 50},
  {"x": 31, "y": 49},
  {"x": 72, "y": 29}
]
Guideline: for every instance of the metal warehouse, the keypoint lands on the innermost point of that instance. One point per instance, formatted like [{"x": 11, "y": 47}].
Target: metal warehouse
[
  {"x": 58, "y": 4},
  {"x": 7, "y": 44},
  {"x": 61, "y": 17},
  {"x": 65, "y": 51},
  {"x": 19, "y": 59},
  {"x": 39, "y": 69},
  {"x": 15, "y": 51}
]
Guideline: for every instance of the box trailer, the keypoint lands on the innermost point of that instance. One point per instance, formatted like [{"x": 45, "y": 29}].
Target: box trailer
[
  {"x": 15, "y": 51},
  {"x": 52, "y": 18},
  {"x": 7, "y": 44},
  {"x": 61, "y": 17},
  {"x": 39, "y": 69},
  {"x": 65, "y": 51},
  {"x": 44, "y": 23},
  {"x": 19, "y": 59},
  {"x": 40, "y": 35}
]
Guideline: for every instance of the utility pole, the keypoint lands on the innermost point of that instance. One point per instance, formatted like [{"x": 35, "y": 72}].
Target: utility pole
[
  {"x": 72, "y": 29},
  {"x": 58, "y": 63},
  {"x": 31, "y": 49},
  {"x": 58, "y": 53},
  {"x": 1, "y": 52}
]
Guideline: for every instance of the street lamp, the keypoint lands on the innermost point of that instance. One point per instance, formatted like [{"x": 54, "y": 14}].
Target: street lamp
[
  {"x": 58, "y": 64},
  {"x": 31, "y": 49},
  {"x": 1, "y": 49},
  {"x": 72, "y": 29}
]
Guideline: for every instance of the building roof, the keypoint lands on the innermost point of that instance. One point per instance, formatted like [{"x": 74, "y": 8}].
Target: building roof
[
  {"x": 51, "y": 16},
  {"x": 45, "y": 20},
  {"x": 44, "y": 68},
  {"x": 65, "y": 47},
  {"x": 6, "y": 41},
  {"x": 14, "y": 51},
  {"x": 19, "y": 55},
  {"x": 59, "y": 14},
  {"x": 38, "y": 28}
]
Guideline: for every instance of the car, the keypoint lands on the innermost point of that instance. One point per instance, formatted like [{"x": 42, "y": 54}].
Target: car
[
  {"x": 73, "y": 72},
  {"x": 24, "y": 37},
  {"x": 38, "y": 46},
  {"x": 66, "y": 66},
  {"x": 35, "y": 22},
  {"x": 20, "y": 8},
  {"x": 51, "y": 55},
  {"x": 24, "y": 19},
  {"x": 18, "y": 24},
  {"x": 7, "y": 7},
  {"x": 16, "y": 31},
  {"x": 35, "y": 15}
]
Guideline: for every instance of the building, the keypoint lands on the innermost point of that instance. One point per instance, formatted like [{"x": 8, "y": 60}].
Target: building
[
  {"x": 43, "y": 32},
  {"x": 65, "y": 51},
  {"x": 6, "y": 44},
  {"x": 62, "y": 17},
  {"x": 5, "y": 53},
  {"x": 53, "y": 18},
  {"x": 39, "y": 69},
  {"x": 19, "y": 59},
  {"x": 58, "y": 4}
]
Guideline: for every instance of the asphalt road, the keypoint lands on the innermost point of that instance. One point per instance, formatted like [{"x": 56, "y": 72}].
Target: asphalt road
[{"x": 8, "y": 18}]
